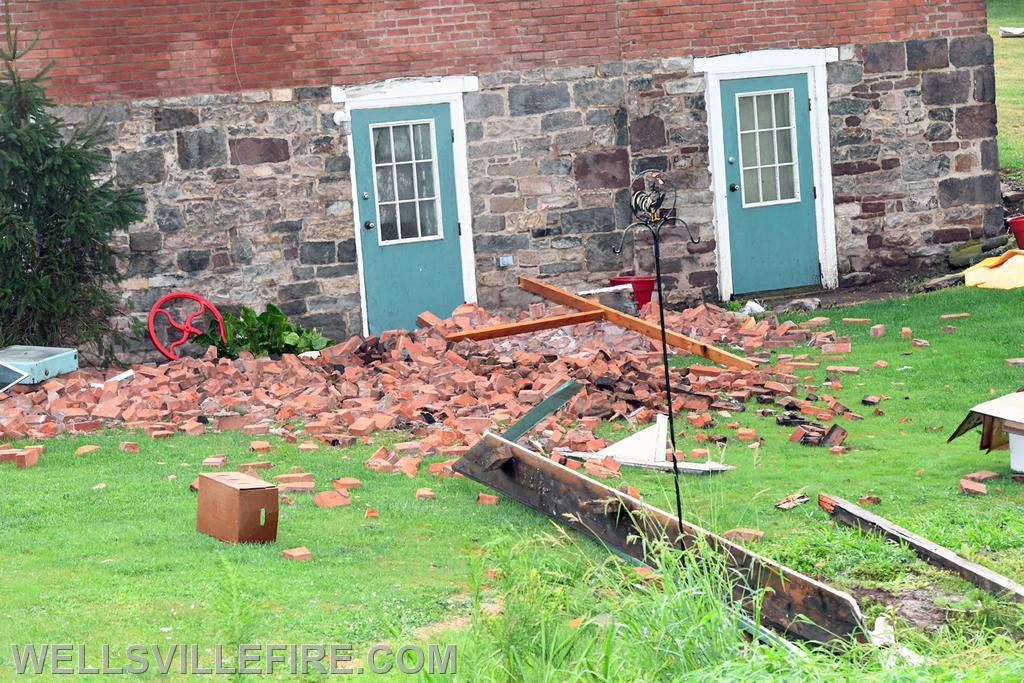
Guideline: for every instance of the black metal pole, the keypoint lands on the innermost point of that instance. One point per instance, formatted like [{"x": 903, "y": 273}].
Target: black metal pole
[{"x": 656, "y": 234}]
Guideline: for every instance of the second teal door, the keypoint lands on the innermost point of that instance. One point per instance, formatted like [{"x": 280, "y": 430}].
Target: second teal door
[
  {"x": 406, "y": 213},
  {"x": 773, "y": 236}
]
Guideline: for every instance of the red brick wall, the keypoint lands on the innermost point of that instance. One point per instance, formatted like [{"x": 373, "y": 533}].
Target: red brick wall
[{"x": 115, "y": 49}]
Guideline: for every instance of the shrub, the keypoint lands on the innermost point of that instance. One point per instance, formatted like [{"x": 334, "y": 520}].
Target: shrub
[
  {"x": 57, "y": 221},
  {"x": 267, "y": 334}
]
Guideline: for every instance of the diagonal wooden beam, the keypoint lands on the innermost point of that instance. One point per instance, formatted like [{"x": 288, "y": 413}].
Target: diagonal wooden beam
[
  {"x": 509, "y": 329},
  {"x": 791, "y": 602},
  {"x": 932, "y": 553},
  {"x": 645, "y": 328}
]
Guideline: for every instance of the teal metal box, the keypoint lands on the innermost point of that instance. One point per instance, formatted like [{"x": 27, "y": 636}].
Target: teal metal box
[{"x": 40, "y": 362}]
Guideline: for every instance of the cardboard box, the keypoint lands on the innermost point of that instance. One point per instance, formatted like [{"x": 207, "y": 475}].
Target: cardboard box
[
  {"x": 1002, "y": 423},
  {"x": 237, "y": 508}
]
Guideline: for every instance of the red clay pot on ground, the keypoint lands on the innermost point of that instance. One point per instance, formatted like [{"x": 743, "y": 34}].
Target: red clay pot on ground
[
  {"x": 643, "y": 286},
  {"x": 1016, "y": 227}
]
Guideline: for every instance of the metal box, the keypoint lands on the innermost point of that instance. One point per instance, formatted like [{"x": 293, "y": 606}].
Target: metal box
[{"x": 40, "y": 363}]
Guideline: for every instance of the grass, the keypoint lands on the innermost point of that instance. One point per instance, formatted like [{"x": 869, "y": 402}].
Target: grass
[
  {"x": 123, "y": 564},
  {"x": 1009, "y": 83}
]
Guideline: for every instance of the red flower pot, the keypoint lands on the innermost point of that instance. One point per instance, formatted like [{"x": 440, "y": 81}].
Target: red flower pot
[
  {"x": 1017, "y": 228},
  {"x": 642, "y": 287}
]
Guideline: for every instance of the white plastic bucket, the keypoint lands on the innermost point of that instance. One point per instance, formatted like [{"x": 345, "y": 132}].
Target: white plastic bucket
[{"x": 1016, "y": 451}]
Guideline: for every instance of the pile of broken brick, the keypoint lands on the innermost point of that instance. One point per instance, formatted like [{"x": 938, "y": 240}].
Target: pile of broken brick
[{"x": 447, "y": 393}]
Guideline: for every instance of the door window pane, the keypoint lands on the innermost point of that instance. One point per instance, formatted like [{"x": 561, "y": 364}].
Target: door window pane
[
  {"x": 382, "y": 145},
  {"x": 767, "y": 139},
  {"x": 428, "y": 218},
  {"x": 403, "y": 143},
  {"x": 406, "y": 181},
  {"x": 421, "y": 140},
  {"x": 407, "y": 218},
  {"x": 388, "y": 222}
]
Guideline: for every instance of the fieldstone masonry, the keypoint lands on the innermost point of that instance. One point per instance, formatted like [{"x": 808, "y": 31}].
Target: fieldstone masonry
[{"x": 248, "y": 197}]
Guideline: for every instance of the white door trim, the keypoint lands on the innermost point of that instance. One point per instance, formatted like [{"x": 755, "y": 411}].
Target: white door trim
[
  {"x": 403, "y": 92},
  {"x": 811, "y": 62}
]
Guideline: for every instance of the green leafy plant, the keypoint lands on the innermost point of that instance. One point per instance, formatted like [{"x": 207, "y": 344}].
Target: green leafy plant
[
  {"x": 57, "y": 221},
  {"x": 269, "y": 333}
]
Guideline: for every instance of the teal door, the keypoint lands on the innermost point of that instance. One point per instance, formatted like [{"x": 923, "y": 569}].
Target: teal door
[
  {"x": 406, "y": 214},
  {"x": 773, "y": 236}
]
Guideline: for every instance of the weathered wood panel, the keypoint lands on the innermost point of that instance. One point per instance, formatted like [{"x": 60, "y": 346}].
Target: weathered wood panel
[{"x": 793, "y": 603}]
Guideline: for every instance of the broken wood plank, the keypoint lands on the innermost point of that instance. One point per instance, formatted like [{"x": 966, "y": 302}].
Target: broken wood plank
[
  {"x": 932, "y": 553},
  {"x": 509, "y": 329},
  {"x": 645, "y": 328},
  {"x": 793, "y": 603}
]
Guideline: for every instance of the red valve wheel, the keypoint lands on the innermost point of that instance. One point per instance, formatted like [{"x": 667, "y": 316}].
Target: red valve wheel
[{"x": 187, "y": 329}]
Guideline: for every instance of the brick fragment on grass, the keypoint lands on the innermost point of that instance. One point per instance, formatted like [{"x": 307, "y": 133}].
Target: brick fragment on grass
[
  {"x": 486, "y": 499},
  {"x": 881, "y": 364},
  {"x": 346, "y": 483},
  {"x": 300, "y": 554},
  {"x": 161, "y": 434},
  {"x": 371, "y": 514},
  {"x": 256, "y": 429},
  {"x": 596, "y": 469},
  {"x": 25, "y": 459},
  {"x": 331, "y": 499},
  {"x": 982, "y": 476},
  {"x": 257, "y": 465},
  {"x": 877, "y": 330},
  {"x": 215, "y": 461},
  {"x": 259, "y": 446},
  {"x": 954, "y": 316},
  {"x": 869, "y": 500},
  {"x": 972, "y": 488},
  {"x": 129, "y": 447},
  {"x": 744, "y": 534},
  {"x": 308, "y": 447},
  {"x": 906, "y": 333},
  {"x": 919, "y": 343},
  {"x": 87, "y": 449},
  {"x": 424, "y": 494}
]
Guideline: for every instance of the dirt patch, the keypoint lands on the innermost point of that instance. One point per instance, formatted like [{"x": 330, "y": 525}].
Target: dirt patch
[{"x": 918, "y": 606}]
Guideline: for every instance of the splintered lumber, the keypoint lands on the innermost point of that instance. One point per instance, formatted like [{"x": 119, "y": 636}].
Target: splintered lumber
[
  {"x": 636, "y": 324},
  {"x": 497, "y": 331},
  {"x": 793, "y": 603},
  {"x": 558, "y": 398},
  {"x": 932, "y": 553}
]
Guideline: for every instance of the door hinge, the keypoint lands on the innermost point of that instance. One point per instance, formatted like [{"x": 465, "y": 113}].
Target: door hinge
[
  {"x": 815, "y": 191},
  {"x": 453, "y": 135},
  {"x": 460, "y": 227},
  {"x": 820, "y": 275},
  {"x": 809, "y": 107}
]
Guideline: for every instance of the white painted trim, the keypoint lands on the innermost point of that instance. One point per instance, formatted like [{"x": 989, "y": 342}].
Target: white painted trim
[
  {"x": 811, "y": 62},
  {"x": 403, "y": 92}
]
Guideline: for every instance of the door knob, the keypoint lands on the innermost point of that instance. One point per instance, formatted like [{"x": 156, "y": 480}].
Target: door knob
[
  {"x": 734, "y": 187},
  {"x": 369, "y": 225}
]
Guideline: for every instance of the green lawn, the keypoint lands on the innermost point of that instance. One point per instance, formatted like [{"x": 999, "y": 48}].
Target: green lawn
[
  {"x": 124, "y": 564},
  {"x": 1009, "y": 83}
]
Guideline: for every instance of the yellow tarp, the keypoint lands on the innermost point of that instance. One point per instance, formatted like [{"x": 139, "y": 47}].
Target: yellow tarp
[{"x": 1005, "y": 271}]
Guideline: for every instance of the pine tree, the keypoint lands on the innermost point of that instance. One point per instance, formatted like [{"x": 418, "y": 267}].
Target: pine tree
[{"x": 58, "y": 267}]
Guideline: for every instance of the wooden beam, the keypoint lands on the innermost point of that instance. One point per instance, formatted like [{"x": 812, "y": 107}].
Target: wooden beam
[
  {"x": 932, "y": 553},
  {"x": 509, "y": 329},
  {"x": 792, "y": 603},
  {"x": 680, "y": 341}
]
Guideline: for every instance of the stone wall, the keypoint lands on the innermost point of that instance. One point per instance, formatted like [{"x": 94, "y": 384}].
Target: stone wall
[
  {"x": 248, "y": 195},
  {"x": 915, "y": 162}
]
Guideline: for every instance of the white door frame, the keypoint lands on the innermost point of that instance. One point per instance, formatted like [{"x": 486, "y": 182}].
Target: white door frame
[
  {"x": 773, "y": 63},
  {"x": 404, "y": 92}
]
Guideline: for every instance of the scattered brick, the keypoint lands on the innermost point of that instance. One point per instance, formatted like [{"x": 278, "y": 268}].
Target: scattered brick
[
  {"x": 843, "y": 369},
  {"x": 308, "y": 447},
  {"x": 255, "y": 429},
  {"x": 259, "y": 446},
  {"x": 129, "y": 447},
  {"x": 346, "y": 483},
  {"x": 954, "y": 316},
  {"x": 744, "y": 534},
  {"x": 371, "y": 514},
  {"x": 919, "y": 343},
  {"x": 85, "y": 450},
  {"x": 596, "y": 469},
  {"x": 949, "y": 328},
  {"x": 332, "y": 499},
  {"x": 300, "y": 554},
  {"x": 982, "y": 476},
  {"x": 486, "y": 499},
  {"x": 26, "y": 459},
  {"x": 877, "y": 330},
  {"x": 744, "y": 434},
  {"x": 424, "y": 494},
  {"x": 161, "y": 434},
  {"x": 869, "y": 500},
  {"x": 881, "y": 364},
  {"x": 259, "y": 465},
  {"x": 791, "y": 501},
  {"x": 972, "y": 488},
  {"x": 215, "y": 461}
]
